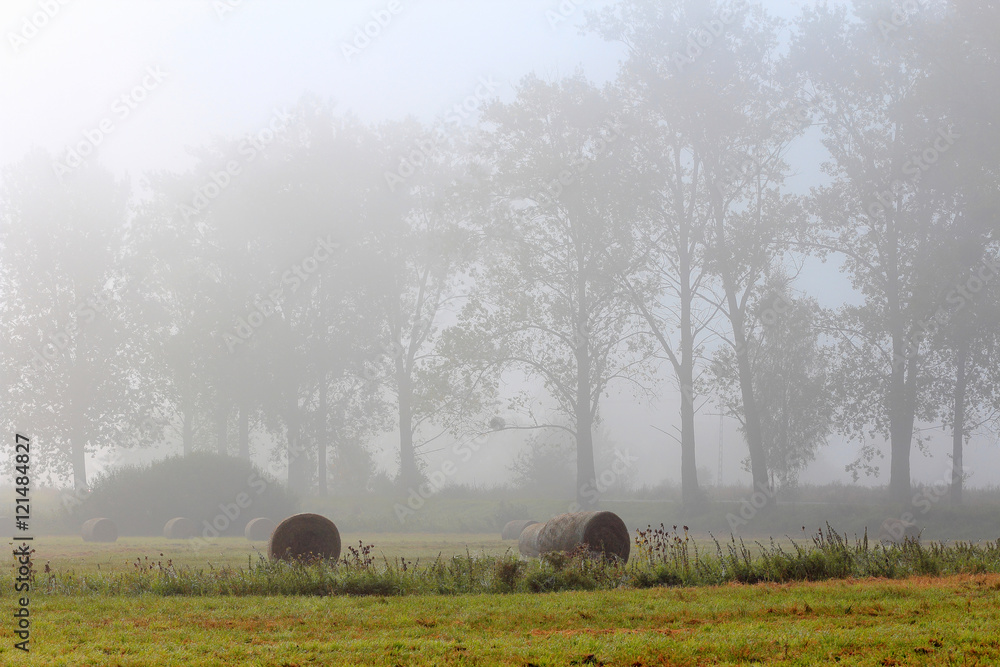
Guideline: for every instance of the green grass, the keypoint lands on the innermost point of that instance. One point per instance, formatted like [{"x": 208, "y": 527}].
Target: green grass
[
  {"x": 421, "y": 566},
  {"x": 860, "y": 622},
  {"x": 70, "y": 553},
  {"x": 469, "y": 601}
]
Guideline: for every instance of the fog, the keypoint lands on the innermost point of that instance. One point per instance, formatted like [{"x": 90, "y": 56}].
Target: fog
[{"x": 381, "y": 246}]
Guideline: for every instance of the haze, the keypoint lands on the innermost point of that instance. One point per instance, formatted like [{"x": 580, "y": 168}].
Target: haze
[{"x": 517, "y": 229}]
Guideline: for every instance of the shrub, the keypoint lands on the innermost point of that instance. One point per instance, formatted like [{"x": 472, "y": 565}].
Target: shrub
[{"x": 219, "y": 493}]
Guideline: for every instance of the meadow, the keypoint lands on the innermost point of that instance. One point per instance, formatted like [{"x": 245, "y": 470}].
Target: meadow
[
  {"x": 415, "y": 599},
  {"x": 916, "y": 621}
]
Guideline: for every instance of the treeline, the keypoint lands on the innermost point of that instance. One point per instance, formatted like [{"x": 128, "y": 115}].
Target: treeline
[{"x": 323, "y": 281}]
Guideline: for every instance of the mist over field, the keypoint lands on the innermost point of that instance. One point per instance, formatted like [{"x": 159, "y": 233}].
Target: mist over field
[{"x": 582, "y": 250}]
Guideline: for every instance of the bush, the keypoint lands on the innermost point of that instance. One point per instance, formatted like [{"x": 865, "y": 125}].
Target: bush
[{"x": 221, "y": 494}]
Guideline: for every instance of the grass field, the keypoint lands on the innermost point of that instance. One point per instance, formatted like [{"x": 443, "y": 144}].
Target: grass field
[
  {"x": 918, "y": 621},
  {"x": 65, "y": 553},
  {"x": 908, "y": 621},
  {"x": 912, "y": 621}
]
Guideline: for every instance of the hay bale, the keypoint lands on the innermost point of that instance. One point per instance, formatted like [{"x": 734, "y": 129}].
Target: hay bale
[
  {"x": 304, "y": 537},
  {"x": 897, "y": 531},
  {"x": 99, "y": 530},
  {"x": 599, "y": 532},
  {"x": 512, "y": 529},
  {"x": 179, "y": 528},
  {"x": 259, "y": 529},
  {"x": 527, "y": 541}
]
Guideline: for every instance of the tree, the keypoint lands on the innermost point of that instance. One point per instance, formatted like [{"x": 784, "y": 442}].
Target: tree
[
  {"x": 423, "y": 253},
  {"x": 882, "y": 213},
  {"x": 791, "y": 377},
  {"x": 172, "y": 293},
  {"x": 964, "y": 358},
  {"x": 963, "y": 57},
  {"x": 322, "y": 175},
  {"x": 716, "y": 157},
  {"x": 680, "y": 154},
  {"x": 69, "y": 361},
  {"x": 546, "y": 308}
]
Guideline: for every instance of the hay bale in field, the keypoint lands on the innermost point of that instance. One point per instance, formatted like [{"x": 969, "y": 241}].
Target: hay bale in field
[
  {"x": 304, "y": 537},
  {"x": 99, "y": 530},
  {"x": 527, "y": 541},
  {"x": 179, "y": 528},
  {"x": 512, "y": 529},
  {"x": 259, "y": 529},
  {"x": 896, "y": 531},
  {"x": 600, "y": 532}
]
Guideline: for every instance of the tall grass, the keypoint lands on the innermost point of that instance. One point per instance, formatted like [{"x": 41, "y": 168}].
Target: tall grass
[{"x": 661, "y": 558}]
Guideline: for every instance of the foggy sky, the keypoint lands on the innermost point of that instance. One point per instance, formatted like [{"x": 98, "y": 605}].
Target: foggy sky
[{"x": 225, "y": 74}]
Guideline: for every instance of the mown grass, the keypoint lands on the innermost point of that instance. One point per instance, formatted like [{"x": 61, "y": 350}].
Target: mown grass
[
  {"x": 915, "y": 621},
  {"x": 660, "y": 558},
  {"x": 69, "y": 553}
]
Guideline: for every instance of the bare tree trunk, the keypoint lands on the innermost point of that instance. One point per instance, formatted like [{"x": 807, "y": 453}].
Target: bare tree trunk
[
  {"x": 298, "y": 472},
  {"x": 751, "y": 414},
  {"x": 78, "y": 452},
  {"x": 684, "y": 369},
  {"x": 322, "y": 440},
  {"x": 587, "y": 494},
  {"x": 902, "y": 409},
  {"x": 409, "y": 474},
  {"x": 222, "y": 426},
  {"x": 958, "y": 431},
  {"x": 689, "y": 469},
  {"x": 187, "y": 434},
  {"x": 900, "y": 427},
  {"x": 244, "y": 428},
  {"x": 899, "y": 438}
]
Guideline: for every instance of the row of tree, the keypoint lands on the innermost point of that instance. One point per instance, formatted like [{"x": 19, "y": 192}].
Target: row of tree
[{"x": 349, "y": 280}]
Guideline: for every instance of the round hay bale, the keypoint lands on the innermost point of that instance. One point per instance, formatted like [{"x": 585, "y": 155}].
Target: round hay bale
[
  {"x": 512, "y": 529},
  {"x": 897, "y": 531},
  {"x": 304, "y": 537},
  {"x": 179, "y": 528},
  {"x": 527, "y": 541},
  {"x": 99, "y": 530},
  {"x": 259, "y": 529},
  {"x": 601, "y": 532}
]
